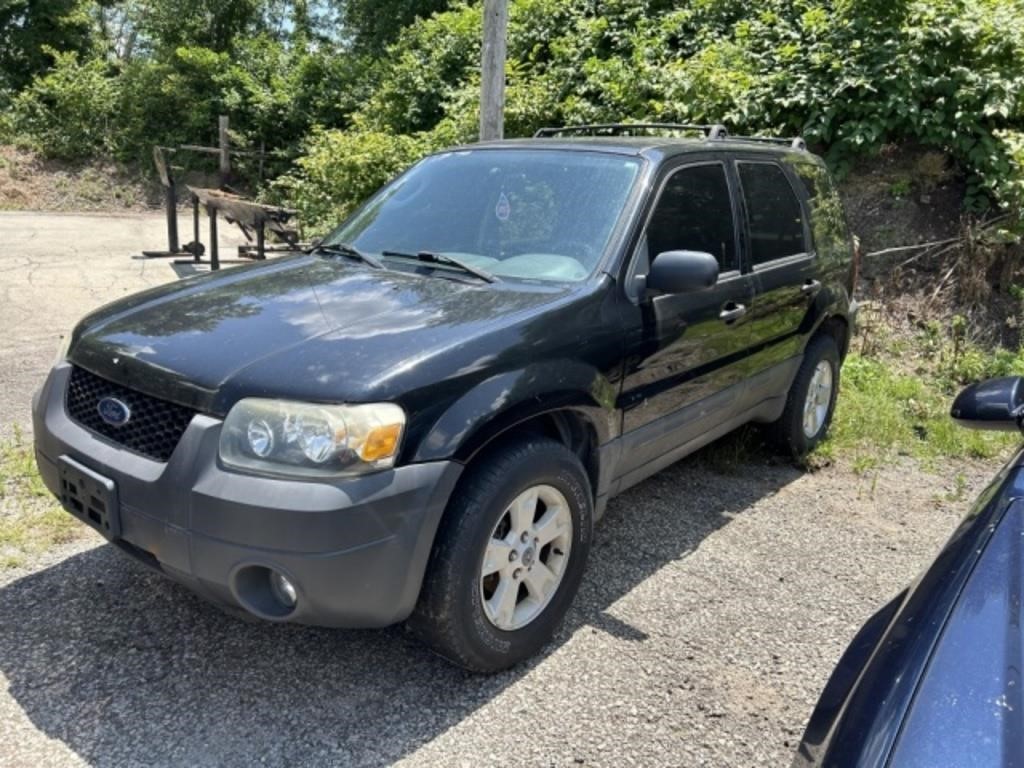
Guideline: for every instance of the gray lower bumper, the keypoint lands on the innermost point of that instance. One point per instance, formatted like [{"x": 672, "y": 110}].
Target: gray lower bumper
[{"x": 355, "y": 549}]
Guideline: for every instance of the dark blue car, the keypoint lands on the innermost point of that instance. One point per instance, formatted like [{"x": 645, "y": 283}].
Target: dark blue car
[{"x": 934, "y": 678}]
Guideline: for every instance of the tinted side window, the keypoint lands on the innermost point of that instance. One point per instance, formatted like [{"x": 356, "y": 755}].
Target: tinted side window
[
  {"x": 828, "y": 221},
  {"x": 774, "y": 213},
  {"x": 694, "y": 213}
]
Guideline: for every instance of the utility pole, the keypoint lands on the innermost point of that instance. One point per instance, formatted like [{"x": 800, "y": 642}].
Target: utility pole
[
  {"x": 224, "y": 144},
  {"x": 492, "y": 66}
]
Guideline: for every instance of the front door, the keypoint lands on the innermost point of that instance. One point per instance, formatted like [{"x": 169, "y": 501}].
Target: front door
[{"x": 683, "y": 363}]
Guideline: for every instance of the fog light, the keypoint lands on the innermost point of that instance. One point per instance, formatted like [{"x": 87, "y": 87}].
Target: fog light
[{"x": 283, "y": 590}]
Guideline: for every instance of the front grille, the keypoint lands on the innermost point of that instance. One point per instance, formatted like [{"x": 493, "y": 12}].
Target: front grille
[{"x": 153, "y": 429}]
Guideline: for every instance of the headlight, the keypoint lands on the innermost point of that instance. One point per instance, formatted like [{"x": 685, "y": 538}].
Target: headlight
[{"x": 307, "y": 439}]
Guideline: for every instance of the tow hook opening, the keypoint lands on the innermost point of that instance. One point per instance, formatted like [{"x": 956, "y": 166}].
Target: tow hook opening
[{"x": 265, "y": 592}]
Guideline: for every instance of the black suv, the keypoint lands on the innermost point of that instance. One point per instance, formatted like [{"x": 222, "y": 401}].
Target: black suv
[{"x": 422, "y": 418}]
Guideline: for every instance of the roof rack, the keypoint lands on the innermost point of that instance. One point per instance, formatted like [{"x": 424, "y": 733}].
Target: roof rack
[
  {"x": 796, "y": 143},
  {"x": 621, "y": 129},
  {"x": 713, "y": 132}
]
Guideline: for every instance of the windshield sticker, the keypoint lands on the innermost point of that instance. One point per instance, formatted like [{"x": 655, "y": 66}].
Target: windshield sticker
[{"x": 503, "y": 209}]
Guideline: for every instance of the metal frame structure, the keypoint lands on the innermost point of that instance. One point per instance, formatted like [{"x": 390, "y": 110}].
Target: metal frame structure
[
  {"x": 254, "y": 219},
  {"x": 249, "y": 216}
]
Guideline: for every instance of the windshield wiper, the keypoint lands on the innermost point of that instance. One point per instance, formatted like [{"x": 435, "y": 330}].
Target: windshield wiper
[
  {"x": 344, "y": 249},
  {"x": 439, "y": 258}
]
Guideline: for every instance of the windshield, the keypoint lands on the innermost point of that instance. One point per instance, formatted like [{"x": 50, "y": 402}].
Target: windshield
[{"x": 535, "y": 214}]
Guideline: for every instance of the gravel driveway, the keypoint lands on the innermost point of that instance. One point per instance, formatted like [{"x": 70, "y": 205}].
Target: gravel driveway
[{"x": 713, "y": 609}]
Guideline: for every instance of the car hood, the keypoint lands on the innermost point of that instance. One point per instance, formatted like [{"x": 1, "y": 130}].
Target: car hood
[
  {"x": 322, "y": 329},
  {"x": 969, "y": 703}
]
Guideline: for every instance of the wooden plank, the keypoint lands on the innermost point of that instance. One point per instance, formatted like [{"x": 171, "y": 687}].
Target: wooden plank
[{"x": 244, "y": 211}]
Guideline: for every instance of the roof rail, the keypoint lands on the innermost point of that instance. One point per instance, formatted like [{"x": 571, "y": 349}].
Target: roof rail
[
  {"x": 713, "y": 132},
  {"x": 620, "y": 129},
  {"x": 796, "y": 143}
]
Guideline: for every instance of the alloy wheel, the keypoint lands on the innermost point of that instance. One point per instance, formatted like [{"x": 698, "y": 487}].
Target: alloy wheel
[
  {"x": 819, "y": 397},
  {"x": 526, "y": 557}
]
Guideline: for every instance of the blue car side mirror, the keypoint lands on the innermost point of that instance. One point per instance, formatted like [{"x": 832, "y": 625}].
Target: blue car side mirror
[{"x": 996, "y": 404}]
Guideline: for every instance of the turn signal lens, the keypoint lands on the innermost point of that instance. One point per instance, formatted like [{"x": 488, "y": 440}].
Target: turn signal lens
[{"x": 381, "y": 443}]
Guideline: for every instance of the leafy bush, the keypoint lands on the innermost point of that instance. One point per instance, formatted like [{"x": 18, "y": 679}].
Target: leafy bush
[
  {"x": 69, "y": 111},
  {"x": 169, "y": 102},
  {"x": 416, "y": 80},
  {"x": 849, "y": 75}
]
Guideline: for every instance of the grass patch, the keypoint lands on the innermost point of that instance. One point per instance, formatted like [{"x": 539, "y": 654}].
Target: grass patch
[
  {"x": 883, "y": 413},
  {"x": 895, "y": 398},
  {"x": 31, "y": 520}
]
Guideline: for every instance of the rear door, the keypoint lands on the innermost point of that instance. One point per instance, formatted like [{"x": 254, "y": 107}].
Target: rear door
[
  {"x": 685, "y": 357},
  {"x": 782, "y": 261}
]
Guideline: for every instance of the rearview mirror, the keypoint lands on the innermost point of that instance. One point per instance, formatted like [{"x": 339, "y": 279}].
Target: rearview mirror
[
  {"x": 994, "y": 404},
  {"x": 682, "y": 272}
]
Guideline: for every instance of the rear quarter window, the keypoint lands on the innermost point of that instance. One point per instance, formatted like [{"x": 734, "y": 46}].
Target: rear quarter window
[{"x": 828, "y": 217}]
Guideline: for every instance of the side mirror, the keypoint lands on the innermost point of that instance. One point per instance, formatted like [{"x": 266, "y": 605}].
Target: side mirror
[
  {"x": 682, "y": 272},
  {"x": 994, "y": 404}
]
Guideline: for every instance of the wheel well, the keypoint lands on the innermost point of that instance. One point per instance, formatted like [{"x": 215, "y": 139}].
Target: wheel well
[
  {"x": 839, "y": 329},
  {"x": 566, "y": 427}
]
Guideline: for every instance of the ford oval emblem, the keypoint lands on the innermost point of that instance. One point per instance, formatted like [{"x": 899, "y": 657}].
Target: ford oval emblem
[{"x": 113, "y": 411}]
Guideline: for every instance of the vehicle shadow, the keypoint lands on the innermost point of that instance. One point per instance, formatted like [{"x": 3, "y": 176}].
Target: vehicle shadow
[{"x": 125, "y": 667}]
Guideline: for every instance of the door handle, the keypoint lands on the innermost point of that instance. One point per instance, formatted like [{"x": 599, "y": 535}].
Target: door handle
[
  {"x": 811, "y": 287},
  {"x": 732, "y": 311}
]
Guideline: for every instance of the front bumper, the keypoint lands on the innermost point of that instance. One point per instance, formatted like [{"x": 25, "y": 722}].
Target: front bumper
[{"x": 356, "y": 549}]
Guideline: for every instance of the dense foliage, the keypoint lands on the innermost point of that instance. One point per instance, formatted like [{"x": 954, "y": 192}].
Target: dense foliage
[
  {"x": 359, "y": 89},
  {"x": 849, "y": 76}
]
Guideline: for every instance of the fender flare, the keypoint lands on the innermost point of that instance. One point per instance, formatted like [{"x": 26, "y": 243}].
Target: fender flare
[
  {"x": 502, "y": 401},
  {"x": 828, "y": 304}
]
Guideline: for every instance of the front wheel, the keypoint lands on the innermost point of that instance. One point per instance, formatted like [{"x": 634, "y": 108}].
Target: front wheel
[
  {"x": 811, "y": 400},
  {"x": 508, "y": 558}
]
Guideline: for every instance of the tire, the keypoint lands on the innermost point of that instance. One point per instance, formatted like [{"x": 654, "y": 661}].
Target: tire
[
  {"x": 788, "y": 433},
  {"x": 460, "y": 615}
]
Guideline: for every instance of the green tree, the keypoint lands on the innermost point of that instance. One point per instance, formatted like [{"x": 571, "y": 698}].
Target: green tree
[
  {"x": 29, "y": 29},
  {"x": 372, "y": 25}
]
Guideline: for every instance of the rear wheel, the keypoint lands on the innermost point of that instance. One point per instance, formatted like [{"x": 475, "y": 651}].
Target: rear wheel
[
  {"x": 811, "y": 400},
  {"x": 508, "y": 558}
]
